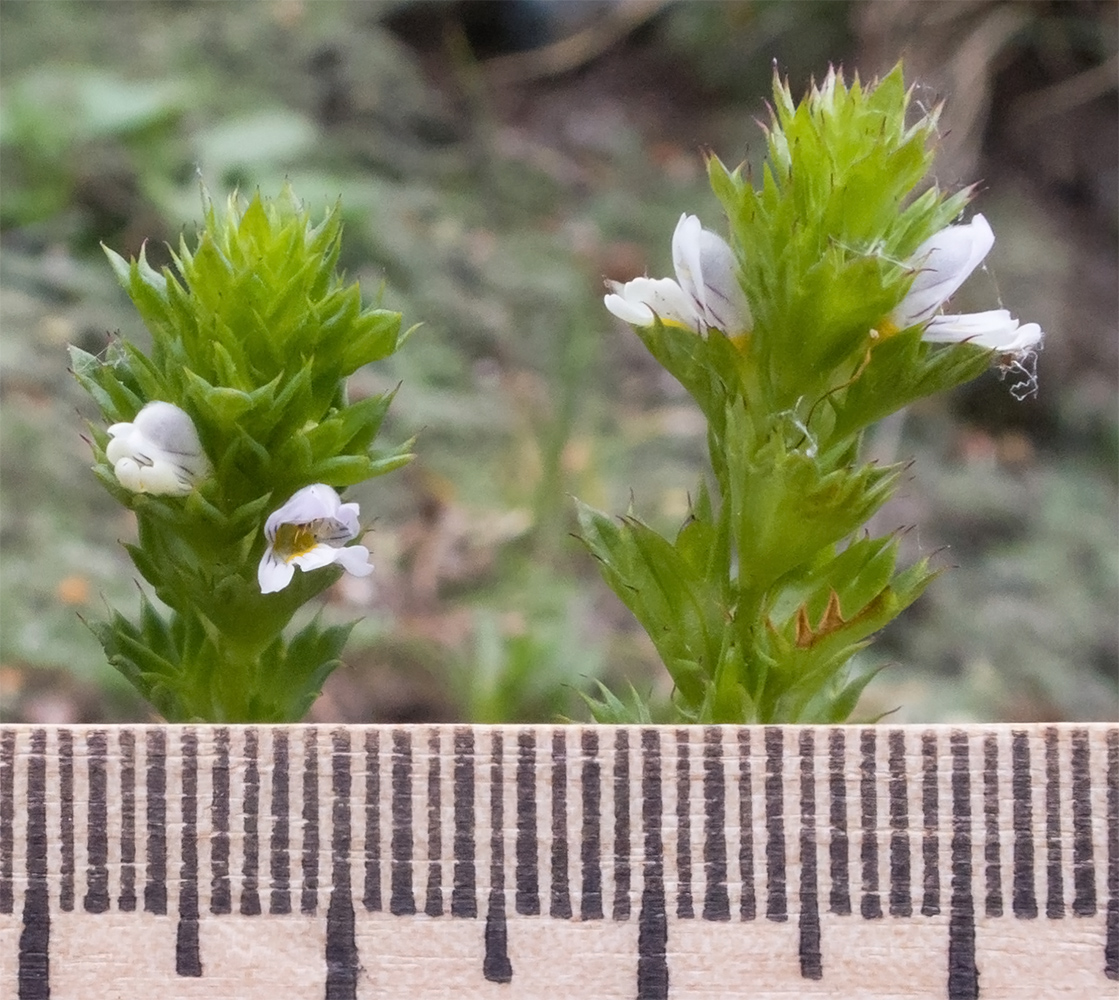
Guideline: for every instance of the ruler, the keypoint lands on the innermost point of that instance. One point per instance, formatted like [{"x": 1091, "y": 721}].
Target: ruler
[{"x": 559, "y": 861}]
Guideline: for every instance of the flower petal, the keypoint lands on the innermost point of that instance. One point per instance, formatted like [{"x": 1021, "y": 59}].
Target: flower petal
[
  {"x": 637, "y": 302},
  {"x": 686, "y": 250},
  {"x": 316, "y": 558},
  {"x": 121, "y": 446},
  {"x": 943, "y": 263},
  {"x": 355, "y": 560},
  {"x": 708, "y": 274},
  {"x": 347, "y": 515},
  {"x": 273, "y": 574},
  {"x": 995, "y": 329},
  {"x": 634, "y": 313},
  {"x": 127, "y": 471},
  {"x": 169, "y": 428},
  {"x": 312, "y": 503},
  {"x": 164, "y": 479}
]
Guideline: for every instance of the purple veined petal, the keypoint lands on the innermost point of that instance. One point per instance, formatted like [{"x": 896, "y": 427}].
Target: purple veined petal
[
  {"x": 145, "y": 454},
  {"x": 312, "y": 503},
  {"x": 706, "y": 293},
  {"x": 334, "y": 531},
  {"x": 169, "y": 428},
  {"x": 724, "y": 303},
  {"x": 708, "y": 274},
  {"x": 943, "y": 263},
  {"x": 319, "y": 511},
  {"x": 163, "y": 479},
  {"x": 157, "y": 476},
  {"x": 273, "y": 574},
  {"x": 347, "y": 515}
]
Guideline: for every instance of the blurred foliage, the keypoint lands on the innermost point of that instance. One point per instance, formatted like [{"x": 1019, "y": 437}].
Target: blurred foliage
[
  {"x": 530, "y": 676},
  {"x": 61, "y": 127},
  {"x": 490, "y": 213}
]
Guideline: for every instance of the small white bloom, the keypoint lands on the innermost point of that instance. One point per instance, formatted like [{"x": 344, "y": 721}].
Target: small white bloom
[
  {"x": 158, "y": 452},
  {"x": 705, "y": 294},
  {"x": 310, "y": 531},
  {"x": 943, "y": 263}
]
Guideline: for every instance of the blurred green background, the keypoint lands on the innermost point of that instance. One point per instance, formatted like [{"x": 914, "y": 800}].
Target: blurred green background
[{"x": 495, "y": 161}]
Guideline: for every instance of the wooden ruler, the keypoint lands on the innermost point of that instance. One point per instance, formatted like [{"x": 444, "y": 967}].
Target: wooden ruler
[{"x": 566, "y": 861}]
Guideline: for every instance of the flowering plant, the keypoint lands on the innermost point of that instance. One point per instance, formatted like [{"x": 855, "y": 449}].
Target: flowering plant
[
  {"x": 229, "y": 442},
  {"x": 820, "y": 316}
]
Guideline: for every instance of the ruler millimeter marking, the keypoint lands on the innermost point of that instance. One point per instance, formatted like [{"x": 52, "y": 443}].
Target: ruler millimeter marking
[{"x": 855, "y": 861}]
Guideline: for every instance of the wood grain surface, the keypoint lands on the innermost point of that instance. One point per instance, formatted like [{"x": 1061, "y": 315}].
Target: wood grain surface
[{"x": 559, "y": 861}]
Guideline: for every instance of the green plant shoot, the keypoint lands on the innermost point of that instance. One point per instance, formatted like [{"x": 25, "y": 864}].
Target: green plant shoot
[
  {"x": 822, "y": 315},
  {"x": 230, "y": 441}
]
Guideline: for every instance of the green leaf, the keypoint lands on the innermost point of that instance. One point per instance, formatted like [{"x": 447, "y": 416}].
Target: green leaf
[
  {"x": 390, "y": 461},
  {"x": 221, "y": 405},
  {"x": 608, "y": 709},
  {"x": 376, "y": 335},
  {"x": 901, "y": 370},
  {"x": 857, "y": 575},
  {"x": 691, "y": 360},
  {"x": 840, "y": 705},
  {"x": 342, "y": 470},
  {"x": 784, "y": 507},
  {"x": 678, "y": 609}
]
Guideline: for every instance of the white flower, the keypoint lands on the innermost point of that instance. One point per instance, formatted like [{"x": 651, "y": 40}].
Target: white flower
[
  {"x": 158, "y": 453},
  {"x": 310, "y": 531},
  {"x": 706, "y": 292},
  {"x": 943, "y": 263}
]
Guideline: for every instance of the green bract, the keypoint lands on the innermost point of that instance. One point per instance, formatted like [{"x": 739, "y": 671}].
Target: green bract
[
  {"x": 768, "y": 589},
  {"x": 252, "y": 340}
]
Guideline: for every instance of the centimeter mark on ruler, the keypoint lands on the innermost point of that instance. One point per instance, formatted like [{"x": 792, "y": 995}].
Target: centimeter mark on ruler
[{"x": 653, "y": 826}]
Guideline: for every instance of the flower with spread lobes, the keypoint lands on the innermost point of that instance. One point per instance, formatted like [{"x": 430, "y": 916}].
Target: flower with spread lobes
[
  {"x": 310, "y": 531},
  {"x": 706, "y": 293},
  {"x": 944, "y": 261},
  {"x": 158, "y": 452}
]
